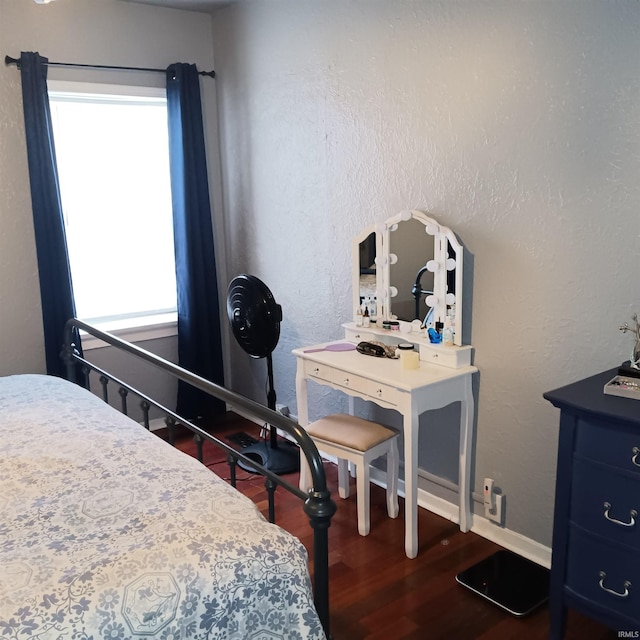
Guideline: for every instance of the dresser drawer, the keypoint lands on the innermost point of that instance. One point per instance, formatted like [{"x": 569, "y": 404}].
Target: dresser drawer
[
  {"x": 349, "y": 381},
  {"x": 359, "y": 335},
  {"x": 321, "y": 371},
  {"x": 609, "y": 444},
  {"x": 607, "y": 575},
  {"x": 382, "y": 392},
  {"x": 447, "y": 356},
  {"x": 346, "y": 380},
  {"x": 606, "y": 503}
]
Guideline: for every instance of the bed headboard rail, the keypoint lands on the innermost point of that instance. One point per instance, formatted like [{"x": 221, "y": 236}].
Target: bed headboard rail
[{"x": 318, "y": 505}]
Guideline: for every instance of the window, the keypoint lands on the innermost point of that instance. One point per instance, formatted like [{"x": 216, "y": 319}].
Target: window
[{"x": 112, "y": 153}]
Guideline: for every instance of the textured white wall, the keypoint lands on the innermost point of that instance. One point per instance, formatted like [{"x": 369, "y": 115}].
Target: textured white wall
[
  {"x": 515, "y": 123},
  {"x": 109, "y": 32}
]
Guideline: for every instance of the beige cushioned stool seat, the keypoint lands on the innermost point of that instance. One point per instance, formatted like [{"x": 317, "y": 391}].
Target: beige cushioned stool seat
[
  {"x": 350, "y": 431},
  {"x": 359, "y": 441}
]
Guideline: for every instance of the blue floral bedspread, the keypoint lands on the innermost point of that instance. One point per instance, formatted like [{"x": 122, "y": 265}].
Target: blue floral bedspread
[{"x": 108, "y": 532}]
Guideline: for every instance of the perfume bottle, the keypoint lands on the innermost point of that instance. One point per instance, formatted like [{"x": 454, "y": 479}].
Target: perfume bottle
[{"x": 447, "y": 332}]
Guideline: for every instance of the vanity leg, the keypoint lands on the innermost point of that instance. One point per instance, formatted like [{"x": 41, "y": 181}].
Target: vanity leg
[
  {"x": 410, "y": 423},
  {"x": 466, "y": 447},
  {"x": 352, "y": 412},
  {"x": 303, "y": 421},
  {"x": 301, "y": 395}
]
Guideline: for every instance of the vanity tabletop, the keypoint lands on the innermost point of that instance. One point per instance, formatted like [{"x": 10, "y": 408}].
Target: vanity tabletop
[{"x": 385, "y": 370}]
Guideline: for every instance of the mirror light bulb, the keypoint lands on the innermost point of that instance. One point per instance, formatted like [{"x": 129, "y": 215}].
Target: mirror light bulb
[
  {"x": 431, "y": 301},
  {"x": 432, "y": 266},
  {"x": 393, "y": 292},
  {"x": 451, "y": 298},
  {"x": 451, "y": 264}
]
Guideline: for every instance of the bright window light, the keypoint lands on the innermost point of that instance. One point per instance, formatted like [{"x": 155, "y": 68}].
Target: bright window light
[{"x": 112, "y": 153}]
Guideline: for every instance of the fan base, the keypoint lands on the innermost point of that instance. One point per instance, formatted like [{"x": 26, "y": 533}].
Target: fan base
[{"x": 285, "y": 458}]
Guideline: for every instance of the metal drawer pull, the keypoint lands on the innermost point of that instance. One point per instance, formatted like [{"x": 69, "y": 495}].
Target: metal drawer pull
[
  {"x": 316, "y": 371},
  {"x": 346, "y": 382},
  {"x": 634, "y": 459},
  {"x": 626, "y": 585},
  {"x": 632, "y": 514}
]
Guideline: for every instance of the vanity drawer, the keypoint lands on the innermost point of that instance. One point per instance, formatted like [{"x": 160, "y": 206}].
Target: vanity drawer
[
  {"x": 359, "y": 335},
  {"x": 609, "y": 444},
  {"x": 607, "y": 575},
  {"x": 382, "y": 392},
  {"x": 606, "y": 503},
  {"x": 321, "y": 371},
  {"x": 446, "y": 356},
  {"x": 349, "y": 381}
]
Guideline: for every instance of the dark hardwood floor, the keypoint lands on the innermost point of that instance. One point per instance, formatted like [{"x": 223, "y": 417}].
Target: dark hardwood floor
[{"x": 376, "y": 592}]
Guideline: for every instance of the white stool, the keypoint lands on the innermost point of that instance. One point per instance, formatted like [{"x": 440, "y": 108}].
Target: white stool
[{"x": 359, "y": 441}]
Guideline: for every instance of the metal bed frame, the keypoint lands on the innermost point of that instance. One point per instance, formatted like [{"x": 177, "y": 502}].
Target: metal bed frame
[{"x": 318, "y": 504}]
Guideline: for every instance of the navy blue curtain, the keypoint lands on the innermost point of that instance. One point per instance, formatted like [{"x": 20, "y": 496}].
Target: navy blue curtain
[
  {"x": 199, "y": 338},
  {"x": 51, "y": 244}
]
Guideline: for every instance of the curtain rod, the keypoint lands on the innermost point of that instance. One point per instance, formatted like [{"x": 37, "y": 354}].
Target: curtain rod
[{"x": 9, "y": 60}]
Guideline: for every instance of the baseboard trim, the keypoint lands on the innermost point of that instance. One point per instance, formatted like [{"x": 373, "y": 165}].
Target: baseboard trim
[
  {"x": 156, "y": 424},
  {"x": 511, "y": 540}
]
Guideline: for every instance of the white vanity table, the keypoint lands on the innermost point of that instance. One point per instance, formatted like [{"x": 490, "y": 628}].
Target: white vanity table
[{"x": 444, "y": 375}]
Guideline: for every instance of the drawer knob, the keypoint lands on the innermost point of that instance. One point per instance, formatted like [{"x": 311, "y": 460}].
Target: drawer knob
[
  {"x": 634, "y": 458},
  {"x": 316, "y": 371},
  {"x": 346, "y": 382},
  {"x": 632, "y": 517},
  {"x": 618, "y": 594}
]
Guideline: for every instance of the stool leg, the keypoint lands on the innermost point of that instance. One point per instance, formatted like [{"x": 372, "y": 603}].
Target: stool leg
[
  {"x": 305, "y": 473},
  {"x": 343, "y": 478},
  {"x": 362, "y": 482},
  {"x": 393, "y": 464}
]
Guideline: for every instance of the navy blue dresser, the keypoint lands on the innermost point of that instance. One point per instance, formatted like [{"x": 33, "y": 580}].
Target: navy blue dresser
[{"x": 595, "y": 565}]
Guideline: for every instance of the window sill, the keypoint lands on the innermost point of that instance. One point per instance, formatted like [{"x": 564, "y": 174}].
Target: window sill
[{"x": 134, "y": 330}]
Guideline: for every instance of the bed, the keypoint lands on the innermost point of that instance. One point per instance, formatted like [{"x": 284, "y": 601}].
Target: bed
[{"x": 109, "y": 532}]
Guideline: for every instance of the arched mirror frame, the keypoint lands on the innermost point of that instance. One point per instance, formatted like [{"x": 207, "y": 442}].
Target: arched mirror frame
[
  {"x": 446, "y": 249},
  {"x": 378, "y": 229}
]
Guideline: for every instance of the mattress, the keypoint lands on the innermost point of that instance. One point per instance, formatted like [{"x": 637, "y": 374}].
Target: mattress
[{"x": 109, "y": 532}]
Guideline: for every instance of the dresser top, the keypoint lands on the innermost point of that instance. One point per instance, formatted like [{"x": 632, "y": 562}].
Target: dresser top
[{"x": 587, "y": 396}]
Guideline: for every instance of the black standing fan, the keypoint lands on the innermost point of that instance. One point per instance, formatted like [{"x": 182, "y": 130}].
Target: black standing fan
[{"x": 255, "y": 320}]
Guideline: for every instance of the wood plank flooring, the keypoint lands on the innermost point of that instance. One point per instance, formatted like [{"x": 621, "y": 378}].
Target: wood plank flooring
[{"x": 376, "y": 592}]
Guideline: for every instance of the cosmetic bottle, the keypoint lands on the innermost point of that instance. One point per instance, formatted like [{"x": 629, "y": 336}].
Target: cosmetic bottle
[
  {"x": 366, "y": 320},
  {"x": 358, "y": 317},
  {"x": 447, "y": 332}
]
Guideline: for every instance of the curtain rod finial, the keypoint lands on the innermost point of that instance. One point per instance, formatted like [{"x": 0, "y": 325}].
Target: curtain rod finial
[{"x": 9, "y": 60}]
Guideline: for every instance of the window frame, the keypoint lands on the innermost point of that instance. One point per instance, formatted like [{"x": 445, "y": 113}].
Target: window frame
[{"x": 143, "y": 327}]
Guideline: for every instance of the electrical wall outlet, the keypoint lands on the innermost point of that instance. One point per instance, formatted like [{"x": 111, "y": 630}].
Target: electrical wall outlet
[{"x": 493, "y": 502}]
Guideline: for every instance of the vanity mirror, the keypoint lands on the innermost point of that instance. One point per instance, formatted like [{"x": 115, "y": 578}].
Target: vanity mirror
[{"x": 411, "y": 268}]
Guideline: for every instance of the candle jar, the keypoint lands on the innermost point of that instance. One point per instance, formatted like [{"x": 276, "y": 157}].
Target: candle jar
[{"x": 409, "y": 357}]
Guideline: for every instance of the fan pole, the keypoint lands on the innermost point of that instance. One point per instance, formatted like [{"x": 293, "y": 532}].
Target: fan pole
[{"x": 271, "y": 400}]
